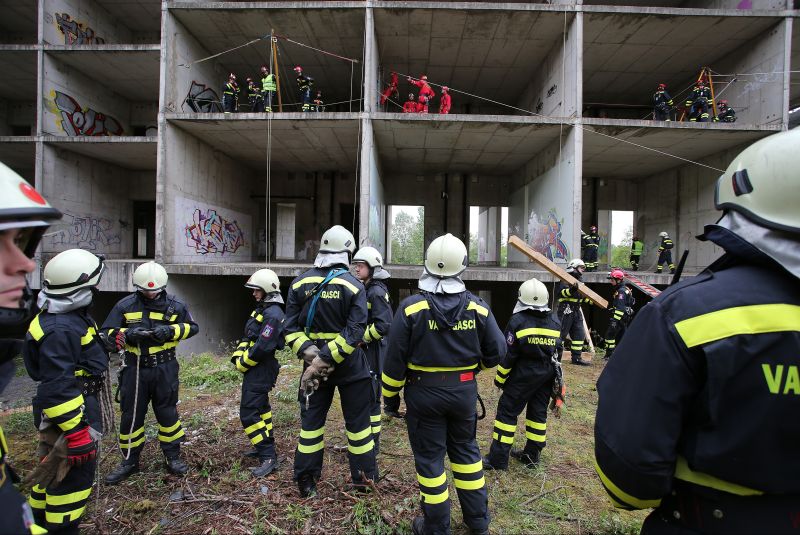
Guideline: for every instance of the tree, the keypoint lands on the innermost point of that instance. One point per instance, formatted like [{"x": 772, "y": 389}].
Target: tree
[
  {"x": 621, "y": 252},
  {"x": 408, "y": 237}
]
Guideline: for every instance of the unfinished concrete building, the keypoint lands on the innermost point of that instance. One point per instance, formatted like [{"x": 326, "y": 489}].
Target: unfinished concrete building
[{"x": 112, "y": 108}]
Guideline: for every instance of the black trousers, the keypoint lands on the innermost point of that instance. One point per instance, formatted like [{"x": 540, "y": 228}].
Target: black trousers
[
  {"x": 529, "y": 384},
  {"x": 255, "y": 411},
  {"x": 635, "y": 262},
  {"x": 665, "y": 257},
  {"x": 305, "y": 98},
  {"x": 590, "y": 258},
  {"x": 256, "y": 104},
  {"x": 356, "y": 398},
  {"x": 375, "y": 355},
  {"x": 572, "y": 326},
  {"x": 59, "y": 508},
  {"x": 228, "y": 103},
  {"x": 269, "y": 97},
  {"x": 443, "y": 420},
  {"x": 616, "y": 329},
  {"x": 157, "y": 385},
  {"x": 661, "y": 113}
]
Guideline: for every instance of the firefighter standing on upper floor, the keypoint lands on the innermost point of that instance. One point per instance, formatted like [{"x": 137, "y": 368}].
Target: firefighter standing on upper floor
[
  {"x": 254, "y": 97},
  {"x": 621, "y": 308},
  {"x": 724, "y": 113},
  {"x": 707, "y": 377},
  {"x": 319, "y": 104},
  {"x": 24, "y": 217},
  {"x": 426, "y": 94},
  {"x": 662, "y": 104},
  {"x": 665, "y": 253},
  {"x": 637, "y": 248},
  {"x": 268, "y": 88},
  {"x": 369, "y": 270},
  {"x": 697, "y": 103},
  {"x": 255, "y": 358},
  {"x": 304, "y": 84},
  {"x": 326, "y": 318},
  {"x": 570, "y": 314},
  {"x": 526, "y": 374},
  {"x": 591, "y": 244},
  {"x": 440, "y": 339},
  {"x": 410, "y": 105},
  {"x": 64, "y": 354},
  {"x": 230, "y": 95},
  {"x": 445, "y": 102},
  {"x": 390, "y": 90},
  {"x": 147, "y": 325}
]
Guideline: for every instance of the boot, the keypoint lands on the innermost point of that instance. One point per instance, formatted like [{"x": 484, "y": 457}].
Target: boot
[
  {"x": 530, "y": 460},
  {"x": 250, "y": 453},
  {"x": 580, "y": 362},
  {"x": 307, "y": 486},
  {"x": 487, "y": 465},
  {"x": 481, "y": 531},
  {"x": 418, "y": 526},
  {"x": 267, "y": 467},
  {"x": 121, "y": 473},
  {"x": 176, "y": 466}
]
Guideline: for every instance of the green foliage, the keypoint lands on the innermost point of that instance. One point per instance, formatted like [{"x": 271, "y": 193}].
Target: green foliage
[
  {"x": 621, "y": 252},
  {"x": 298, "y": 514},
  {"x": 19, "y": 422},
  {"x": 408, "y": 238},
  {"x": 209, "y": 372},
  {"x": 367, "y": 518}
]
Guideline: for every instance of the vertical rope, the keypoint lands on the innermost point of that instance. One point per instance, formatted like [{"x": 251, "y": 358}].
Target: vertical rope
[
  {"x": 268, "y": 237},
  {"x": 356, "y": 203}
]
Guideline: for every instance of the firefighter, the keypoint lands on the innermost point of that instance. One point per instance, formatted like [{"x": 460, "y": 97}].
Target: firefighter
[
  {"x": 319, "y": 105},
  {"x": 369, "y": 270},
  {"x": 148, "y": 325},
  {"x": 445, "y": 101},
  {"x": 326, "y": 317},
  {"x": 268, "y": 88},
  {"x": 254, "y": 97},
  {"x": 570, "y": 314},
  {"x": 637, "y": 248},
  {"x": 697, "y": 102},
  {"x": 724, "y": 113},
  {"x": 426, "y": 94},
  {"x": 662, "y": 104},
  {"x": 255, "y": 358},
  {"x": 591, "y": 244},
  {"x": 621, "y": 308},
  {"x": 410, "y": 105},
  {"x": 526, "y": 375},
  {"x": 440, "y": 339},
  {"x": 64, "y": 354},
  {"x": 304, "y": 84},
  {"x": 230, "y": 95},
  {"x": 665, "y": 253},
  {"x": 390, "y": 90},
  {"x": 712, "y": 442},
  {"x": 24, "y": 217}
]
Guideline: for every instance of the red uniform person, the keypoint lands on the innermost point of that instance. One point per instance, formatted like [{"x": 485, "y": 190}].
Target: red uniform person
[
  {"x": 390, "y": 90},
  {"x": 425, "y": 93},
  {"x": 445, "y": 101},
  {"x": 410, "y": 105}
]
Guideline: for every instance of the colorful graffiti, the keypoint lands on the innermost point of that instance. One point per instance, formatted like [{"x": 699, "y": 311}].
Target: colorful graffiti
[
  {"x": 75, "y": 33},
  {"x": 91, "y": 233},
  {"x": 544, "y": 235},
  {"x": 77, "y": 121},
  {"x": 202, "y": 99},
  {"x": 211, "y": 233}
]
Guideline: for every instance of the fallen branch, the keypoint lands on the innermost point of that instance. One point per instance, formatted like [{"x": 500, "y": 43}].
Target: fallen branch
[{"x": 541, "y": 494}]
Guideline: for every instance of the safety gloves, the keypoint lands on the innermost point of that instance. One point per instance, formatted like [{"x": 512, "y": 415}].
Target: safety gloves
[
  {"x": 310, "y": 353},
  {"x": 318, "y": 369},
  {"x": 81, "y": 447}
]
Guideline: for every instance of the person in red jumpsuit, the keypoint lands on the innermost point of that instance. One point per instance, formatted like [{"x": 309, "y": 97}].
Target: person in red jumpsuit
[
  {"x": 425, "y": 93},
  {"x": 445, "y": 101},
  {"x": 410, "y": 105},
  {"x": 390, "y": 90}
]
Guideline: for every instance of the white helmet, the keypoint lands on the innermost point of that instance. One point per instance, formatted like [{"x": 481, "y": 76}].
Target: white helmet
[
  {"x": 370, "y": 256},
  {"x": 663, "y": 235},
  {"x": 533, "y": 293},
  {"x": 71, "y": 270},
  {"x": 265, "y": 280},
  {"x": 337, "y": 239},
  {"x": 446, "y": 257},
  {"x": 763, "y": 182},
  {"x": 150, "y": 277},
  {"x": 574, "y": 264}
]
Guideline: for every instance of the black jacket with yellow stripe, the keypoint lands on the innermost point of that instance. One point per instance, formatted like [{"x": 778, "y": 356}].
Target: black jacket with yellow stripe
[
  {"x": 58, "y": 349},
  {"x": 338, "y": 323},
  {"x": 136, "y": 310},
  {"x": 532, "y": 338},
  {"x": 379, "y": 320},
  {"x": 705, "y": 387},
  {"x": 665, "y": 245},
  {"x": 263, "y": 335},
  {"x": 441, "y": 332},
  {"x": 621, "y": 300}
]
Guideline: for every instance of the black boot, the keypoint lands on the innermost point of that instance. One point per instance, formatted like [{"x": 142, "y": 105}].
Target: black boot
[
  {"x": 307, "y": 486},
  {"x": 176, "y": 466},
  {"x": 267, "y": 467},
  {"x": 530, "y": 460},
  {"x": 580, "y": 362},
  {"x": 487, "y": 465},
  {"x": 250, "y": 453},
  {"x": 121, "y": 473},
  {"x": 481, "y": 531},
  {"x": 418, "y": 526}
]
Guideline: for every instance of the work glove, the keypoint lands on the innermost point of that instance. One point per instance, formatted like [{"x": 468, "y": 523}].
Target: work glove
[
  {"x": 318, "y": 369},
  {"x": 81, "y": 447},
  {"x": 309, "y": 354},
  {"x": 53, "y": 465},
  {"x": 162, "y": 333},
  {"x": 119, "y": 340},
  {"x": 136, "y": 335}
]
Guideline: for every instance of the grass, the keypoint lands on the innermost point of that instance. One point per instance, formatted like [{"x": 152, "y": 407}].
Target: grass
[{"x": 562, "y": 495}]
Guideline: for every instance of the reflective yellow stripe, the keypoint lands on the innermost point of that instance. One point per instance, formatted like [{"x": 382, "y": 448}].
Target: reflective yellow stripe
[
  {"x": 247, "y": 360},
  {"x": 72, "y": 422},
  {"x": 683, "y": 472},
  {"x": 502, "y": 370},
  {"x": 432, "y": 481},
  {"x": 433, "y": 499},
  {"x": 4, "y": 444},
  {"x": 536, "y": 425},
  {"x": 373, "y": 331},
  {"x": 375, "y": 418},
  {"x": 469, "y": 485},
  {"x": 63, "y": 518},
  {"x": 173, "y": 438},
  {"x": 344, "y": 283},
  {"x": 267, "y": 416},
  {"x": 156, "y": 316},
  {"x": 241, "y": 367},
  {"x": 321, "y": 336},
  {"x": 312, "y": 434},
  {"x": 416, "y": 307},
  {"x": 63, "y": 408},
  {"x": 35, "y": 329},
  {"x": 302, "y": 448},
  {"x": 256, "y": 439},
  {"x": 133, "y": 444},
  {"x": 132, "y": 315},
  {"x": 255, "y": 427},
  {"x": 392, "y": 382},
  {"x": 752, "y": 319},
  {"x": 344, "y": 345},
  {"x": 170, "y": 428},
  {"x": 369, "y": 305},
  {"x": 531, "y": 331},
  {"x": 376, "y": 429},
  {"x": 37, "y": 530},
  {"x": 388, "y": 393},
  {"x": 534, "y": 437},
  {"x": 622, "y": 495},
  {"x": 132, "y": 435},
  {"x": 36, "y": 504},
  {"x": 66, "y": 499},
  {"x": 505, "y": 427},
  {"x": 483, "y": 311},
  {"x": 358, "y": 436},
  {"x": 358, "y": 450},
  {"x": 89, "y": 336},
  {"x": 307, "y": 280},
  {"x": 500, "y": 379},
  {"x": 467, "y": 468},
  {"x": 337, "y": 357},
  {"x": 440, "y": 369},
  {"x": 503, "y": 438},
  {"x": 289, "y": 338},
  {"x": 297, "y": 346}
]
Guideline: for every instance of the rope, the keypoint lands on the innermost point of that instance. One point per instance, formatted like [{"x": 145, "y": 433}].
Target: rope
[
  {"x": 188, "y": 65},
  {"x": 268, "y": 236},
  {"x": 316, "y": 49},
  {"x": 135, "y": 403}
]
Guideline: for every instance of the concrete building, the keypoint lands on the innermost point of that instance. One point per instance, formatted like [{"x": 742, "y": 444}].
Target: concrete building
[{"x": 112, "y": 108}]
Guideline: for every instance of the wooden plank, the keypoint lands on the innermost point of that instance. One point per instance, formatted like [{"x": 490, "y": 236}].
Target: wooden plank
[
  {"x": 588, "y": 334},
  {"x": 556, "y": 270}
]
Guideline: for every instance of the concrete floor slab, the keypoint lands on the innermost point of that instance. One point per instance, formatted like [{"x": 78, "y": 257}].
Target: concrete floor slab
[
  {"x": 18, "y": 23},
  {"x": 137, "y": 15},
  {"x": 19, "y": 68},
  {"x": 19, "y": 153},
  {"x": 128, "y": 152}
]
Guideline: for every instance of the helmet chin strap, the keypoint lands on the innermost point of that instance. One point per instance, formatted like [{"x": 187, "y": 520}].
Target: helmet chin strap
[{"x": 18, "y": 316}]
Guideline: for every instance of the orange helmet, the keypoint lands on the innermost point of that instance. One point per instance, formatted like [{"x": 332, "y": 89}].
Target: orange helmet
[{"x": 616, "y": 274}]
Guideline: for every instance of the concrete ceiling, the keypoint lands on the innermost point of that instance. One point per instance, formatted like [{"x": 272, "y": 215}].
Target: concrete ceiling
[
  {"x": 18, "y": 23},
  {"x": 493, "y": 54},
  {"x": 475, "y": 146},
  {"x": 132, "y": 74},
  {"x": 340, "y": 31},
  {"x": 794, "y": 89},
  {"x": 626, "y": 56},
  {"x": 19, "y": 68},
  {"x": 128, "y": 153},
  {"x": 136, "y": 15},
  {"x": 298, "y": 144},
  {"x": 606, "y": 157},
  {"x": 640, "y": 3},
  {"x": 19, "y": 156}
]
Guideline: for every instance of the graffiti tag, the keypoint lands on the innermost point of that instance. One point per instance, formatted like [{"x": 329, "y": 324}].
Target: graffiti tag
[
  {"x": 84, "y": 122},
  {"x": 202, "y": 99},
  {"x": 212, "y": 233},
  {"x": 545, "y": 235},
  {"x": 85, "y": 232},
  {"x": 75, "y": 33}
]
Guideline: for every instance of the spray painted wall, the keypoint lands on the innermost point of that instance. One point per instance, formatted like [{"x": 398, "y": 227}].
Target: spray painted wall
[
  {"x": 81, "y": 22},
  {"x": 208, "y": 233}
]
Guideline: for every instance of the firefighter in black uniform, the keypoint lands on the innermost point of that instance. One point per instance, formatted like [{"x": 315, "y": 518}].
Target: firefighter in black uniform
[
  {"x": 526, "y": 375},
  {"x": 707, "y": 378},
  {"x": 369, "y": 270},
  {"x": 662, "y": 104},
  {"x": 697, "y": 103},
  {"x": 148, "y": 325},
  {"x": 725, "y": 113},
  {"x": 254, "y": 97},
  {"x": 65, "y": 355},
  {"x": 440, "y": 339},
  {"x": 621, "y": 308},
  {"x": 230, "y": 94},
  {"x": 326, "y": 317},
  {"x": 255, "y": 358},
  {"x": 304, "y": 84},
  {"x": 24, "y": 217},
  {"x": 591, "y": 244},
  {"x": 570, "y": 313},
  {"x": 665, "y": 253}
]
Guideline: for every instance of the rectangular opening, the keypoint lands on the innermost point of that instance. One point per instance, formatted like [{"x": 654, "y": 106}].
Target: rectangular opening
[
  {"x": 488, "y": 235},
  {"x": 285, "y": 231},
  {"x": 406, "y": 232},
  {"x": 144, "y": 228},
  {"x": 620, "y": 238}
]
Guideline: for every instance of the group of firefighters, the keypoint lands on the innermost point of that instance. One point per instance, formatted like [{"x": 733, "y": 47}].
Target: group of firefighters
[
  {"x": 697, "y": 430},
  {"x": 590, "y": 244},
  {"x": 697, "y": 105},
  {"x": 422, "y": 102},
  {"x": 261, "y": 97}
]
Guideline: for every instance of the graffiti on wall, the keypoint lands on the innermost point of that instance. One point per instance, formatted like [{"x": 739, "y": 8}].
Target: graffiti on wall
[
  {"x": 202, "y": 99},
  {"x": 77, "y": 121},
  {"x": 544, "y": 235},
  {"x": 75, "y": 33},
  {"x": 86, "y": 232},
  {"x": 210, "y": 233}
]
